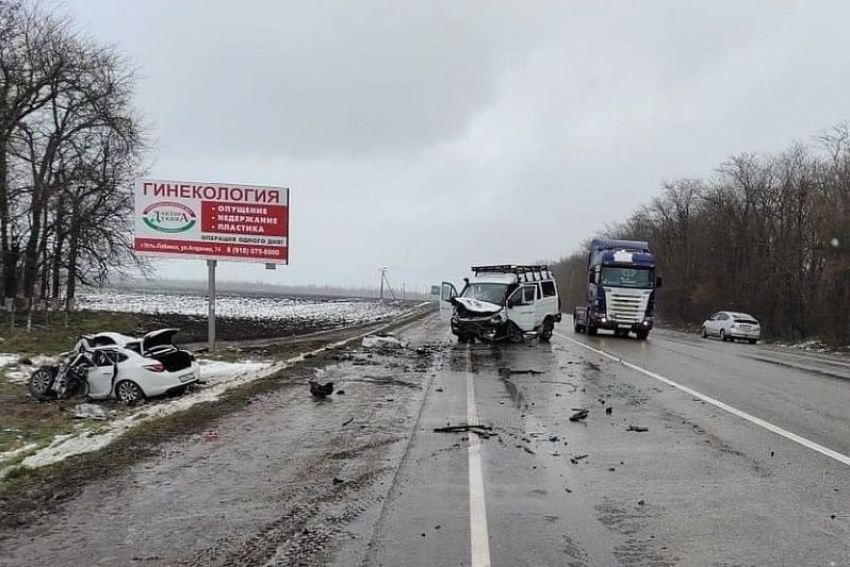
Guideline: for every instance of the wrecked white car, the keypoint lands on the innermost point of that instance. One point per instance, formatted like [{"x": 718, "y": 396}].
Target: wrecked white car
[
  {"x": 113, "y": 365},
  {"x": 503, "y": 302}
]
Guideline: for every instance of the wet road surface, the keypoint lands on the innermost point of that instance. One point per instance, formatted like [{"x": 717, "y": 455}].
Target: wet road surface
[{"x": 363, "y": 479}]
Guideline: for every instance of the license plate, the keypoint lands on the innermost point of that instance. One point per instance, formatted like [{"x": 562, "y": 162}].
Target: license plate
[
  {"x": 186, "y": 377},
  {"x": 625, "y": 326}
]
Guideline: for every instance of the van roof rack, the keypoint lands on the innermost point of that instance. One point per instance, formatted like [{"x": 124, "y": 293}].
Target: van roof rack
[{"x": 524, "y": 273}]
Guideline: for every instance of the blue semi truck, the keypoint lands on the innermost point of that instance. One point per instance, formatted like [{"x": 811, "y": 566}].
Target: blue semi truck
[{"x": 621, "y": 286}]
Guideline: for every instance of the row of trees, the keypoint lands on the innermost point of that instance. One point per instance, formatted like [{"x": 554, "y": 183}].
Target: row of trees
[
  {"x": 70, "y": 146},
  {"x": 767, "y": 234}
]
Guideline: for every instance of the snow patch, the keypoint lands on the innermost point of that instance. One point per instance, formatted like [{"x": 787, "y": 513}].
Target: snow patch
[
  {"x": 221, "y": 377},
  {"x": 336, "y": 311}
]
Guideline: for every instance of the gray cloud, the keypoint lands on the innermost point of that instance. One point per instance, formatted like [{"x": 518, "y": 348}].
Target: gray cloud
[{"x": 428, "y": 136}]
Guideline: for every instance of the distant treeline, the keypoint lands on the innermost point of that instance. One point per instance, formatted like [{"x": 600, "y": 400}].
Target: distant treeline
[{"x": 766, "y": 234}]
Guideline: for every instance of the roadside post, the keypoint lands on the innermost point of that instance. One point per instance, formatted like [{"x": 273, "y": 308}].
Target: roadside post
[
  {"x": 212, "y": 222},
  {"x": 211, "y": 301}
]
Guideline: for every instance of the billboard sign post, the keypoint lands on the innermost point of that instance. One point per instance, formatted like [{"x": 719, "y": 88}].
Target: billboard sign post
[{"x": 212, "y": 221}]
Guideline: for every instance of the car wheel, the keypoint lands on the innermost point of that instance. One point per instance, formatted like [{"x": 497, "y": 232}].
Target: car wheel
[
  {"x": 753, "y": 341},
  {"x": 129, "y": 393},
  {"x": 515, "y": 334},
  {"x": 704, "y": 333},
  {"x": 548, "y": 330},
  {"x": 41, "y": 382},
  {"x": 723, "y": 336}
]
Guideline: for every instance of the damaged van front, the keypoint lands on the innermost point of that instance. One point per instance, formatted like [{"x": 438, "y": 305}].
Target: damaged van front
[
  {"x": 502, "y": 302},
  {"x": 480, "y": 310}
]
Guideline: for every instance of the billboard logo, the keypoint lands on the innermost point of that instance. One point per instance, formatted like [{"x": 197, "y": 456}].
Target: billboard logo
[{"x": 169, "y": 217}]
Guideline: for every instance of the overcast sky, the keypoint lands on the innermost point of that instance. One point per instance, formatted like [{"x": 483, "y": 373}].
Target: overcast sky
[{"x": 428, "y": 136}]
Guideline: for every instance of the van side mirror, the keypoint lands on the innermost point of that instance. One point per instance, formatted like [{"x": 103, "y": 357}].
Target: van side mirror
[
  {"x": 658, "y": 282},
  {"x": 511, "y": 304},
  {"x": 590, "y": 278}
]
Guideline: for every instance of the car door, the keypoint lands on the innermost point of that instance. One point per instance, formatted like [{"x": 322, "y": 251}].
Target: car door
[
  {"x": 448, "y": 291},
  {"x": 720, "y": 323},
  {"x": 522, "y": 307},
  {"x": 541, "y": 306},
  {"x": 711, "y": 326},
  {"x": 101, "y": 374}
]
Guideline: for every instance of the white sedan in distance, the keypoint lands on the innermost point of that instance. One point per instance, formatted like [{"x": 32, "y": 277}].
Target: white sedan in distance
[{"x": 731, "y": 326}]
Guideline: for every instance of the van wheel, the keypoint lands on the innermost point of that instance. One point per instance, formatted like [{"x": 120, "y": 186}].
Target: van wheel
[
  {"x": 642, "y": 335},
  {"x": 723, "y": 336},
  {"x": 547, "y": 331},
  {"x": 753, "y": 341},
  {"x": 515, "y": 334}
]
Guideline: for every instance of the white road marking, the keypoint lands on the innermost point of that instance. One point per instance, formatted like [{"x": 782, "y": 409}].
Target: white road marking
[
  {"x": 480, "y": 540},
  {"x": 841, "y": 458}
]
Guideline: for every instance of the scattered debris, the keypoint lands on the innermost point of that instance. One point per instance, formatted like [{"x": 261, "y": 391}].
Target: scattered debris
[
  {"x": 641, "y": 502},
  {"x": 347, "y": 421},
  {"x": 321, "y": 390},
  {"x": 437, "y": 527},
  {"x": 439, "y": 390},
  {"x": 510, "y": 372},
  {"x": 612, "y": 469},
  {"x": 382, "y": 342},
  {"x": 579, "y": 415},
  {"x": 637, "y": 428},
  {"x": 90, "y": 411},
  {"x": 609, "y": 410},
  {"x": 567, "y": 490},
  {"x": 528, "y": 450},
  {"x": 577, "y": 458},
  {"x": 553, "y": 439},
  {"x": 340, "y": 392},
  {"x": 338, "y": 480},
  {"x": 482, "y": 430}
]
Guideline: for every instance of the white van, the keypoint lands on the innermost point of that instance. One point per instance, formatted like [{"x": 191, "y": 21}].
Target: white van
[{"x": 503, "y": 302}]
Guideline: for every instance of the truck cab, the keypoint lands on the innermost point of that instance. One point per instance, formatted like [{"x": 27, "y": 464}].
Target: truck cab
[
  {"x": 621, "y": 284},
  {"x": 505, "y": 302}
]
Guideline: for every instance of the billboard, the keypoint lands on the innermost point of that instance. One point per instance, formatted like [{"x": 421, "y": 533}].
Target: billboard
[{"x": 212, "y": 221}]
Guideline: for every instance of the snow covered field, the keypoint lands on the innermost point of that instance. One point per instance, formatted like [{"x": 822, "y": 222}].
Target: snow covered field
[{"x": 338, "y": 311}]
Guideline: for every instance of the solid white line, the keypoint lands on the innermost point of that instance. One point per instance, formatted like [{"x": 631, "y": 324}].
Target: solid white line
[
  {"x": 480, "y": 540},
  {"x": 841, "y": 458}
]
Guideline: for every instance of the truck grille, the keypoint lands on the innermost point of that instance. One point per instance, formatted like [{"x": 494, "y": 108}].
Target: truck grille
[{"x": 625, "y": 308}]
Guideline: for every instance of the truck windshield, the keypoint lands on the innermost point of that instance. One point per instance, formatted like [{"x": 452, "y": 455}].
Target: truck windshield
[
  {"x": 628, "y": 277},
  {"x": 492, "y": 292}
]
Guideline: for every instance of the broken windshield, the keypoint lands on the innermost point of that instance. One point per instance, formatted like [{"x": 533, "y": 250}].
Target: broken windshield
[{"x": 491, "y": 292}]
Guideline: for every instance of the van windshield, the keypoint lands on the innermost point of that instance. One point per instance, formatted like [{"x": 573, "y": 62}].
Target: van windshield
[{"x": 492, "y": 292}]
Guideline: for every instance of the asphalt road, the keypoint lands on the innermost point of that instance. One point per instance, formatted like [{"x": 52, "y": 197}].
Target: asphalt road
[{"x": 744, "y": 460}]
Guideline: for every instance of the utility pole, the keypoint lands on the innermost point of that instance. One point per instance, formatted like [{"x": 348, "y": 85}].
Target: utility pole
[{"x": 385, "y": 280}]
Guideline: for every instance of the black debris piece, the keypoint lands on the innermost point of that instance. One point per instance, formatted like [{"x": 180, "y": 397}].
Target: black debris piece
[
  {"x": 609, "y": 410},
  {"x": 637, "y": 428},
  {"x": 553, "y": 439},
  {"x": 579, "y": 415},
  {"x": 340, "y": 392},
  {"x": 321, "y": 390},
  {"x": 439, "y": 390},
  {"x": 347, "y": 421},
  {"x": 641, "y": 502},
  {"x": 338, "y": 480},
  {"x": 577, "y": 458},
  {"x": 528, "y": 450}
]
